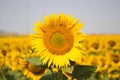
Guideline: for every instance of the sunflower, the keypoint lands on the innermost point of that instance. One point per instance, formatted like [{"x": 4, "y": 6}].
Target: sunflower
[
  {"x": 12, "y": 59},
  {"x": 1, "y": 59},
  {"x": 112, "y": 42},
  {"x": 113, "y": 72},
  {"x": 16, "y": 61},
  {"x": 58, "y": 40},
  {"x": 30, "y": 70},
  {"x": 33, "y": 72}
]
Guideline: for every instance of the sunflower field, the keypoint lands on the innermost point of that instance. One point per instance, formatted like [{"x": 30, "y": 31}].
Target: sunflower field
[
  {"x": 59, "y": 51},
  {"x": 103, "y": 50}
]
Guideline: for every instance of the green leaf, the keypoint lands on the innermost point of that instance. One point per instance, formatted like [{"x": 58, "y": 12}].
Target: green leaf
[
  {"x": 68, "y": 69},
  {"x": 106, "y": 76},
  {"x": 5, "y": 74},
  {"x": 98, "y": 75},
  {"x": 15, "y": 75},
  {"x": 8, "y": 74},
  {"x": 52, "y": 77},
  {"x": 35, "y": 61},
  {"x": 48, "y": 72},
  {"x": 2, "y": 77},
  {"x": 83, "y": 72}
]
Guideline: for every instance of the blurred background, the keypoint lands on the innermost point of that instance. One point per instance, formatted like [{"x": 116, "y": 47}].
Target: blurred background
[{"x": 99, "y": 16}]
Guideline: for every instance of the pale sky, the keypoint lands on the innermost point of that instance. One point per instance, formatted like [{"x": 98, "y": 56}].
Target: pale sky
[{"x": 99, "y": 16}]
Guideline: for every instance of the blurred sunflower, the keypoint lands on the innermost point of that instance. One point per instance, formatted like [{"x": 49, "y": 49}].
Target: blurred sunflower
[
  {"x": 12, "y": 59},
  {"x": 29, "y": 69},
  {"x": 58, "y": 40},
  {"x": 33, "y": 72},
  {"x": 2, "y": 61},
  {"x": 114, "y": 72},
  {"x": 112, "y": 43},
  {"x": 115, "y": 58},
  {"x": 103, "y": 63},
  {"x": 16, "y": 61},
  {"x": 95, "y": 45}
]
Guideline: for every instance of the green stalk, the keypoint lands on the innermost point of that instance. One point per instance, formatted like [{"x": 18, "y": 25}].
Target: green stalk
[
  {"x": 52, "y": 73},
  {"x": 60, "y": 76}
]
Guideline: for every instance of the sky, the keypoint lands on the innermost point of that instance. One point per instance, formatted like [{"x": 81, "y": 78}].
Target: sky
[{"x": 99, "y": 16}]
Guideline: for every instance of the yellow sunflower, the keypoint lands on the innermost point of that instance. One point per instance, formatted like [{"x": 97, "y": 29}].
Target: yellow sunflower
[
  {"x": 30, "y": 70},
  {"x": 12, "y": 59},
  {"x": 16, "y": 61},
  {"x": 58, "y": 39},
  {"x": 2, "y": 61},
  {"x": 33, "y": 72}
]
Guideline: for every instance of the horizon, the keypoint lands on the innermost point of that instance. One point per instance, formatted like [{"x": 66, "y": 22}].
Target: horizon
[{"x": 99, "y": 17}]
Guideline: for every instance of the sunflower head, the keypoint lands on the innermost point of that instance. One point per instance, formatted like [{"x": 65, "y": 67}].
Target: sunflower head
[
  {"x": 2, "y": 61},
  {"x": 35, "y": 69},
  {"x": 57, "y": 39}
]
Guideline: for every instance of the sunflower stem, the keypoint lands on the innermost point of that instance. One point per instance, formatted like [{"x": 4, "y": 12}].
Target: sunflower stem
[
  {"x": 52, "y": 73},
  {"x": 60, "y": 76}
]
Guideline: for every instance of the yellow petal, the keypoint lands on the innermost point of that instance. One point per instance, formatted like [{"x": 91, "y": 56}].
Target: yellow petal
[
  {"x": 76, "y": 28},
  {"x": 73, "y": 54},
  {"x": 38, "y": 24},
  {"x": 60, "y": 61}
]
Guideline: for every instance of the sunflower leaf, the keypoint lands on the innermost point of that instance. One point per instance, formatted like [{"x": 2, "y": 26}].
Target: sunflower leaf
[
  {"x": 83, "y": 72},
  {"x": 52, "y": 77},
  {"x": 35, "y": 61},
  {"x": 68, "y": 69},
  {"x": 8, "y": 74}
]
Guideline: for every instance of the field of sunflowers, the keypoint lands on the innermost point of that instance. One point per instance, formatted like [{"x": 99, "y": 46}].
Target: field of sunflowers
[{"x": 101, "y": 50}]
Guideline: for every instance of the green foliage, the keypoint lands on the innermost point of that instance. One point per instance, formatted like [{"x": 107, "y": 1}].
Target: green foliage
[
  {"x": 53, "y": 76},
  {"x": 79, "y": 72},
  {"x": 8, "y": 74},
  {"x": 35, "y": 61},
  {"x": 83, "y": 72},
  {"x": 68, "y": 69}
]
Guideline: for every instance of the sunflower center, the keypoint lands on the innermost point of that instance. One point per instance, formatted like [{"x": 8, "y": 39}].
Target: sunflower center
[
  {"x": 35, "y": 69},
  {"x": 95, "y": 45},
  {"x": 58, "y": 40}
]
